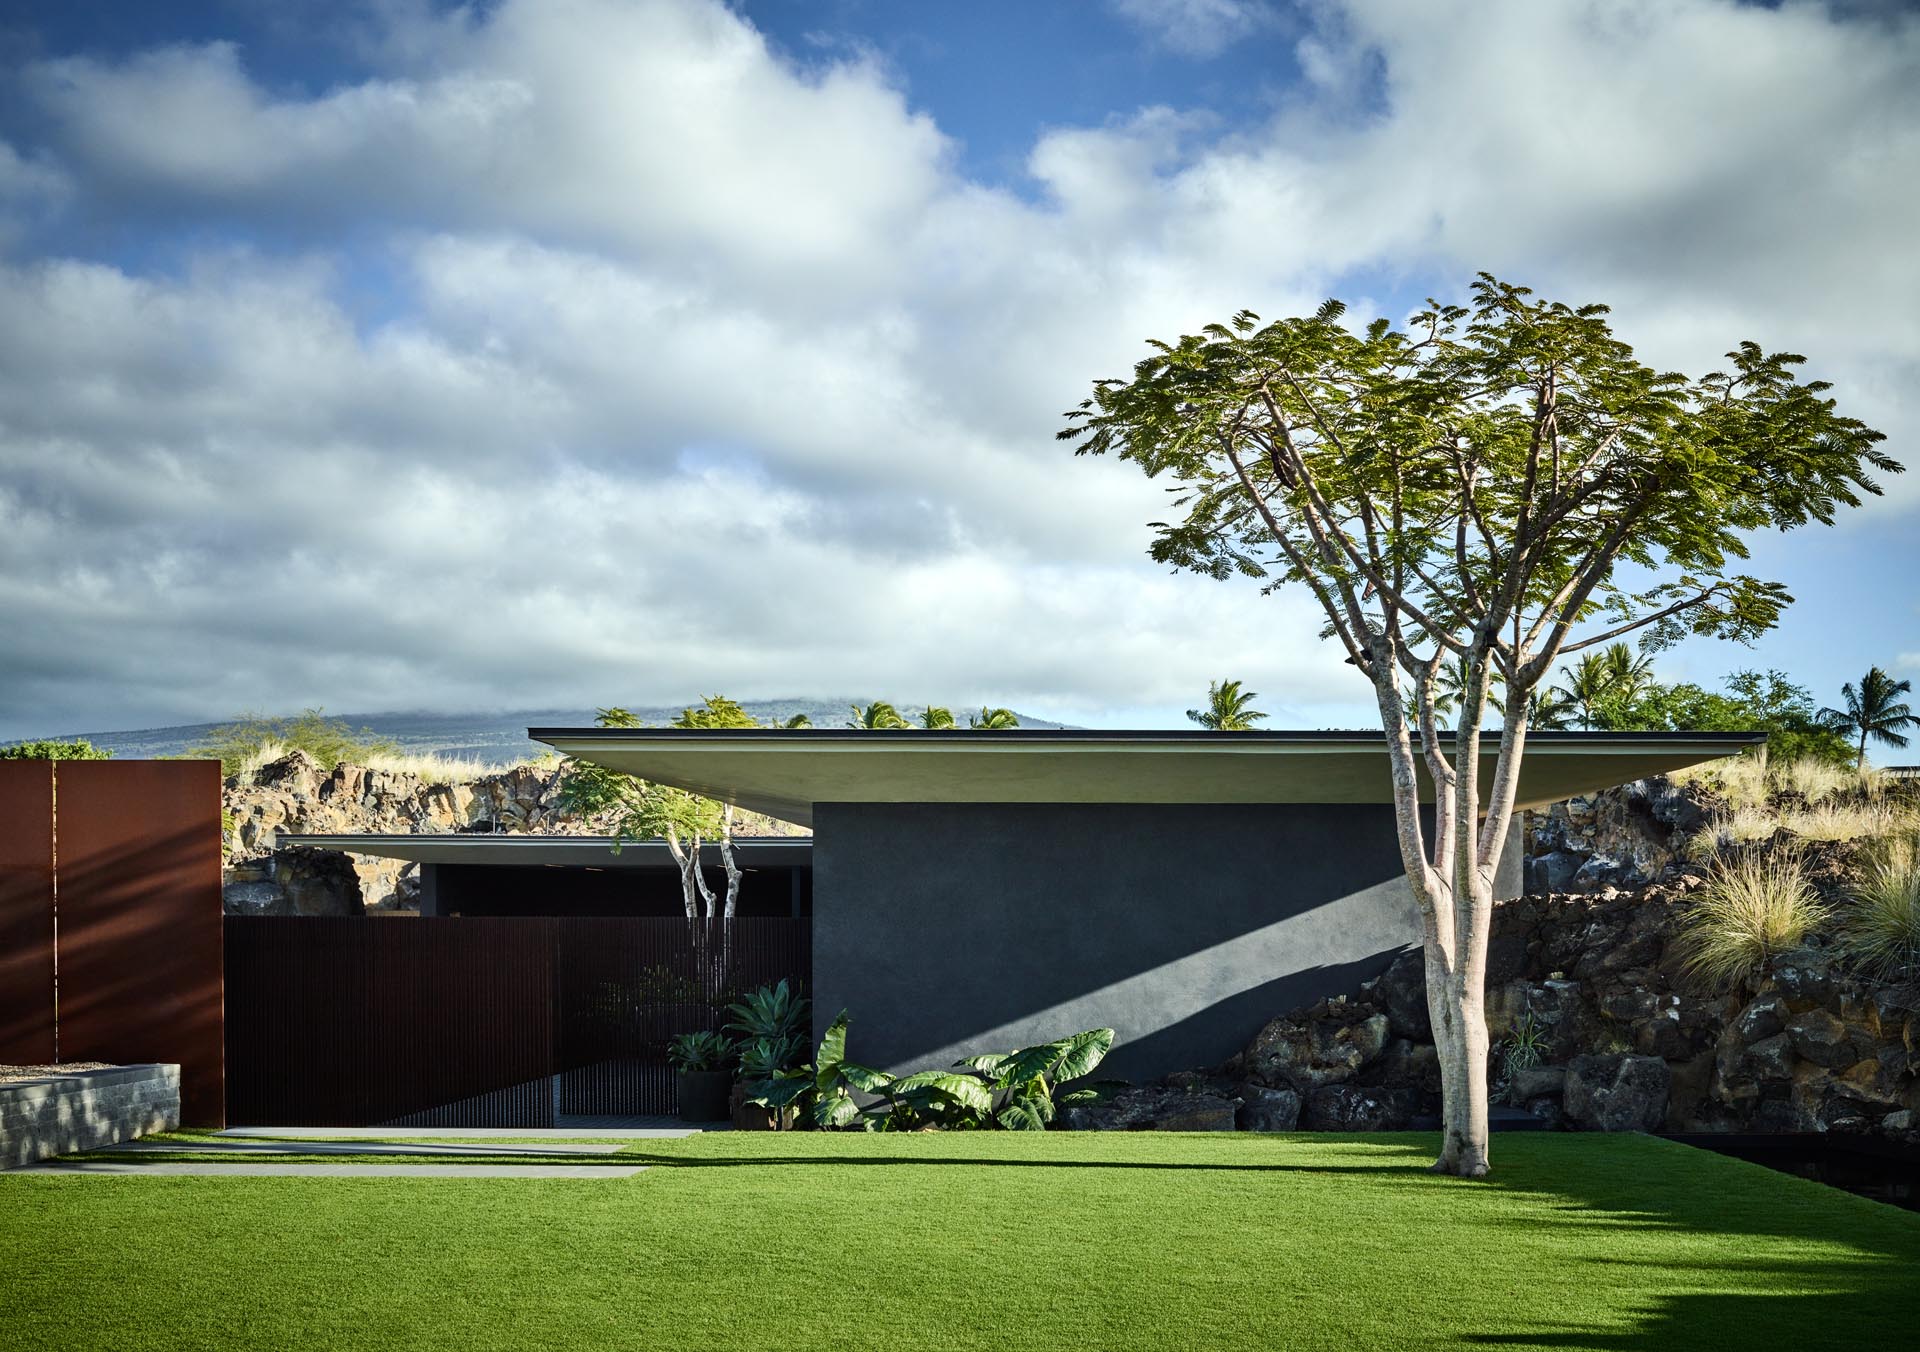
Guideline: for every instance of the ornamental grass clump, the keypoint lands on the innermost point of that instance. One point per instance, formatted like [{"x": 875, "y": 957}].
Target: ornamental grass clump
[
  {"x": 1752, "y": 909},
  {"x": 1881, "y": 932}
]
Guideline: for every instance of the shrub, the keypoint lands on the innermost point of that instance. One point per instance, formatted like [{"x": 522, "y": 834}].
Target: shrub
[
  {"x": 252, "y": 740},
  {"x": 1752, "y": 909},
  {"x": 76, "y": 749},
  {"x": 705, "y": 1050},
  {"x": 1015, "y": 1091},
  {"x": 1881, "y": 932}
]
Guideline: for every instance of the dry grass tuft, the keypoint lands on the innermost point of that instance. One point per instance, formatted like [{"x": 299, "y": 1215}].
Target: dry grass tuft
[
  {"x": 430, "y": 766},
  {"x": 1752, "y": 909},
  {"x": 1881, "y": 932},
  {"x": 1816, "y": 780}
]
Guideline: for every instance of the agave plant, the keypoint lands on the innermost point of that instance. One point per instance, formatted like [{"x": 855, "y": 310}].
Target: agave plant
[
  {"x": 704, "y": 1050},
  {"x": 775, "y": 1011}
]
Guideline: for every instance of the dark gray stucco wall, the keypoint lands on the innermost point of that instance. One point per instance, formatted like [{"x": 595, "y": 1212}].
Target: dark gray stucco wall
[{"x": 947, "y": 929}]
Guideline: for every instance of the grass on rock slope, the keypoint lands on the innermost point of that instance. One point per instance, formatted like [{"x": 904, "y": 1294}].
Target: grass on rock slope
[{"x": 1089, "y": 1240}]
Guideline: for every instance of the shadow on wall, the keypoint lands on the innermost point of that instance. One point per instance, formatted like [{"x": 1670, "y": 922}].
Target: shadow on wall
[
  {"x": 948, "y": 929},
  {"x": 139, "y": 939}
]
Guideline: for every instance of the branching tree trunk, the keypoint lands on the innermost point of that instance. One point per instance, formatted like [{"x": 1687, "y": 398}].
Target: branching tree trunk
[{"x": 1459, "y": 496}]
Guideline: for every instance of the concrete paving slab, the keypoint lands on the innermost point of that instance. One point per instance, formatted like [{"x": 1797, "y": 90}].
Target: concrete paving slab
[
  {"x": 357, "y": 1146},
  {"x": 467, "y": 1133},
  {"x": 266, "y": 1169}
]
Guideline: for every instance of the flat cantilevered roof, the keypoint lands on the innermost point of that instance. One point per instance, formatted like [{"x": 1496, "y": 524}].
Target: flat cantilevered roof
[
  {"x": 555, "y": 851},
  {"x": 783, "y": 772}
]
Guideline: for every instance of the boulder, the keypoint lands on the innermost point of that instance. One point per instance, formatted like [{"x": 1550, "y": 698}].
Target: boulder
[
  {"x": 1402, "y": 990},
  {"x": 1766, "y": 1015},
  {"x": 317, "y": 882},
  {"x": 1265, "y": 1109},
  {"x": 1405, "y": 1065},
  {"x": 1152, "y": 1108},
  {"x": 1353, "y": 1107},
  {"x": 1618, "y": 1092},
  {"x": 1326, "y": 1045},
  {"x": 1821, "y": 1038},
  {"x": 1532, "y": 1082}
]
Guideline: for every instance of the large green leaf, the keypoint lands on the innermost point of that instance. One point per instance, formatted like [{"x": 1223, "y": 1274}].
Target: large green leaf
[
  {"x": 1084, "y": 1052},
  {"x": 864, "y": 1078},
  {"x": 834, "y": 1110},
  {"x": 832, "y": 1053},
  {"x": 969, "y": 1091}
]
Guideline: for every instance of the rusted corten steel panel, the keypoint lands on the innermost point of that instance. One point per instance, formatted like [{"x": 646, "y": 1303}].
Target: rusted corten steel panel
[
  {"x": 140, "y": 924},
  {"x": 26, "y": 911}
]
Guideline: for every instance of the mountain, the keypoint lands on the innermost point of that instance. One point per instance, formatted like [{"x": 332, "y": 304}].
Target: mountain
[{"x": 492, "y": 737}]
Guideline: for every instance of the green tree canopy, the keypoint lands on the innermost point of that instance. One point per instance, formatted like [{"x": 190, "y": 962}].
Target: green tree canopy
[
  {"x": 993, "y": 718},
  {"x": 328, "y": 740},
  {"x": 877, "y": 715},
  {"x": 1502, "y": 483},
  {"x": 1874, "y": 710},
  {"x": 1229, "y": 708},
  {"x": 74, "y": 749}
]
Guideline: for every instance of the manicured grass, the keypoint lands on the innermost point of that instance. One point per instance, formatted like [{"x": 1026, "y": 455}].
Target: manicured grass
[{"x": 976, "y": 1241}]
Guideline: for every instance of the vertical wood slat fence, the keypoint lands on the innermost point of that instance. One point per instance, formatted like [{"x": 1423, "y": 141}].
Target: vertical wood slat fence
[{"x": 445, "y": 1021}]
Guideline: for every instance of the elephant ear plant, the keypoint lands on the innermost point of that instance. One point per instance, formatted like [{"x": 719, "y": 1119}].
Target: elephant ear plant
[{"x": 1013, "y": 1091}]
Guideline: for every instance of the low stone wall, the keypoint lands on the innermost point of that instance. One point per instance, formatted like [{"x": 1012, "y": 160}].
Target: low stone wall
[{"x": 86, "y": 1110}]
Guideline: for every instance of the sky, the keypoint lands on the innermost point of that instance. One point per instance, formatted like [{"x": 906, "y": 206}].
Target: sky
[{"x": 558, "y": 353}]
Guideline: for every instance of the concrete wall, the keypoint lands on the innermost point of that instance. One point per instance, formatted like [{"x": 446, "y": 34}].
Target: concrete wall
[
  {"x": 947, "y": 929},
  {"x": 87, "y": 1110}
]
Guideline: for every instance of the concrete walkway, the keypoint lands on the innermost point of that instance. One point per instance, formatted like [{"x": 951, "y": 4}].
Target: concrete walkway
[
  {"x": 555, "y": 1149},
  {"x": 83, "y": 1168},
  {"x": 466, "y": 1133}
]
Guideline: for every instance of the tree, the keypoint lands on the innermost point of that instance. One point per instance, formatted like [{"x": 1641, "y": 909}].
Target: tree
[
  {"x": 877, "y": 715},
  {"x": 1229, "y": 708},
  {"x": 795, "y": 723},
  {"x": 993, "y": 718},
  {"x": 1874, "y": 710},
  {"x": 1469, "y": 488},
  {"x": 936, "y": 718},
  {"x": 73, "y": 749},
  {"x": 646, "y": 811},
  {"x": 1605, "y": 684}
]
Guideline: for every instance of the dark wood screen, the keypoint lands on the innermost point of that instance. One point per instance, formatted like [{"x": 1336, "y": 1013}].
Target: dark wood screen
[{"x": 446, "y": 1021}]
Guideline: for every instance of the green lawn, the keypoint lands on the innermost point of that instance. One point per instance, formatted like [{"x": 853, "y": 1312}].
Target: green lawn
[{"x": 998, "y": 1241}]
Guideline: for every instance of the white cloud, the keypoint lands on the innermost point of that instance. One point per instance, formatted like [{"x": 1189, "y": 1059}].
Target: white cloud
[
  {"x": 1198, "y": 28},
  {"x": 696, "y": 368}
]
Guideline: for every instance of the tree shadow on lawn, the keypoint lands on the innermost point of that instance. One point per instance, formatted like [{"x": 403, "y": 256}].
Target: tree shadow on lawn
[{"x": 1854, "y": 1283}]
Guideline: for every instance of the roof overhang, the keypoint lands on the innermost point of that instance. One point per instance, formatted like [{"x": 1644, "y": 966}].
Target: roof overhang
[
  {"x": 554, "y": 851},
  {"x": 783, "y": 773}
]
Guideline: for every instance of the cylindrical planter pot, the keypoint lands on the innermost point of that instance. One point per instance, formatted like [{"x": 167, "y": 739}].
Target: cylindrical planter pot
[
  {"x": 703, "y": 1094},
  {"x": 757, "y": 1116}
]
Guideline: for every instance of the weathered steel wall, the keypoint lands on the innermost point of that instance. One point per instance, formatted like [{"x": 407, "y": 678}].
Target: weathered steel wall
[
  {"x": 138, "y": 874},
  {"x": 26, "y": 911}
]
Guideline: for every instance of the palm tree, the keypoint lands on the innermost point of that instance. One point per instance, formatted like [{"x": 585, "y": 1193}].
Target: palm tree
[
  {"x": 876, "y": 715},
  {"x": 1874, "y": 710},
  {"x": 798, "y": 721},
  {"x": 1628, "y": 676},
  {"x": 936, "y": 717},
  {"x": 1229, "y": 708},
  {"x": 993, "y": 718}
]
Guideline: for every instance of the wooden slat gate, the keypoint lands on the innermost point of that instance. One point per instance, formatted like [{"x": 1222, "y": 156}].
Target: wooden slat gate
[{"x": 447, "y": 1021}]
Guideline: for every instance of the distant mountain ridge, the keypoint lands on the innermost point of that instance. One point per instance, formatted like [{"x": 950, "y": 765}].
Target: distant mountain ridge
[{"x": 487, "y": 736}]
